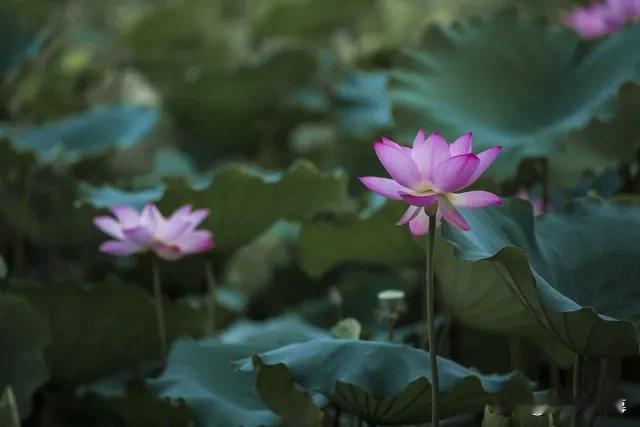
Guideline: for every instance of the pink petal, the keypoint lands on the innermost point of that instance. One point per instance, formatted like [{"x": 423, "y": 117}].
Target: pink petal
[
  {"x": 408, "y": 215},
  {"x": 180, "y": 214},
  {"x": 197, "y": 241},
  {"x": 167, "y": 251},
  {"x": 474, "y": 199},
  {"x": 151, "y": 217},
  {"x": 419, "y": 200},
  {"x": 486, "y": 159},
  {"x": 451, "y": 214},
  {"x": 174, "y": 229},
  {"x": 454, "y": 173},
  {"x": 419, "y": 225},
  {"x": 427, "y": 155},
  {"x": 198, "y": 216},
  {"x": 419, "y": 139},
  {"x": 384, "y": 186},
  {"x": 462, "y": 145},
  {"x": 397, "y": 161},
  {"x": 109, "y": 226},
  {"x": 118, "y": 248},
  {"x": 141, "y": 235},
  {"x": 126, "y": 216}
]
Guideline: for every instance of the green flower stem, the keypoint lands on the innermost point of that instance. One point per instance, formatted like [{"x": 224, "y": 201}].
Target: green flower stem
[
  {"x": 577, "y": 374},
  {"x": 211, "y": 298},
  {"x": 430, "y": 303},
  {"x": 160, "y": 320}
]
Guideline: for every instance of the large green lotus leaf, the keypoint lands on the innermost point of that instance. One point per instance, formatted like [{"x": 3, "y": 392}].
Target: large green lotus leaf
[
  {"x": 392, "y": 385},
  {"x": 370, "y": 238},
  {"x": 515, "y": 82},
  {"x": 477, "y": 295},
  {"x": 245, "y": 202},
  {"x": 23, "y": 337},
  {"x": 101, "y": 330},
  {"x": 201, "y": 374},
  {"x": 574, "y": 270},
  {"x": 85, "y": 134},
  {"x": 602, "y": 144}
]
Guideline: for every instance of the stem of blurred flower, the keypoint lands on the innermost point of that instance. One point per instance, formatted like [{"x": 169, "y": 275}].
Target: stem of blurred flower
[
  {"x": 211, "y": 298},
  {"x": 430, "y": 303},
  {"x": 25, "y": 203},
  {"x": 157, "y": 294},
  {"x": 544, "y": 177},
  {"x": 577, "y": 373}
]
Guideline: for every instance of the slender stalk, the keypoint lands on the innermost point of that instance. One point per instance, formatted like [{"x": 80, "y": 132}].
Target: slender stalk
[
  {"x": 430, "y": 303},
  {"x": 25, "y": 205},
  {"x": 160, "y": 320},
  {"x": 211, "y": 300},
  {"x": 392, "y": 324},
  {"x": 577, "y": 374},
  {"x": 544, "y": 172},
  {"x": 336, "y": 420}
]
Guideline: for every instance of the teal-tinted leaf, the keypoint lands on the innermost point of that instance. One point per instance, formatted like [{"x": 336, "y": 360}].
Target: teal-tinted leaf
[
  {"x": 371, "y": 238},
  {"x": 85, "y": 134},
  {"x": 378, "y": 391},
  {"x": 364, "y": 105},
  {"x": 23, "y": 337},
  {"x": 201, "y": 374},
  {"x": 514, "y": 82},
  {"x": 100, "y": 330},
  {"x": 102, "y": 197},
  {"x": 574, "y": 270}
]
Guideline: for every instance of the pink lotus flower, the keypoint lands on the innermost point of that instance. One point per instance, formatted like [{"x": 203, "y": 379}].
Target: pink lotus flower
[
  {"x": 170, "y": 238},
  {"x": 428, "y": 177},
  {"x": 599, "y": 19}
]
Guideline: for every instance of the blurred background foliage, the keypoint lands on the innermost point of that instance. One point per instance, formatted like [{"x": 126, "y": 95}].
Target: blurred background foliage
[{"x": 264, "y": 111}]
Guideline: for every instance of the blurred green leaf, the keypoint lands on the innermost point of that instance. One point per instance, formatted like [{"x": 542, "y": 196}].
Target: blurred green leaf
[
  {"x": 371, "y": 238},
  {"x": 85, "y": 134},
  {"x": 515, "y": 82},
  {"x": 376, "y": 390},
  {"x": 245, "y": 202},
  {"x": 604, "y": 143},
  {"x": 364, "y": 105},
  {"x": 574, "y": 270},
  {"x": 100, "y": 330},
  {"x": 23, "y": 337},
  {"x": 106, "y": 196},
  {"x": 19, "y": 39}
]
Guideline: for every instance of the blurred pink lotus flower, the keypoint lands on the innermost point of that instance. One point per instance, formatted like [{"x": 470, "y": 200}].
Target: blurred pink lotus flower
[
  {"x": 428, "y": 176},
  {"x": 536, "y": 202},
  {"x": 170, "y": 238},
  {"x": 599, "y": 19}
]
